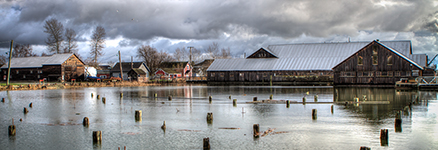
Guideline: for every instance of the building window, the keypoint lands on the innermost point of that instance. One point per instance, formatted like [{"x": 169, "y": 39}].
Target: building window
[
  {"x": 348, "y": 74},
  {"x": 31, "y": 71},
  {"x": 212, "y": 74},
  {"x": 375, "y": 60},
  {"x": 360, "y": 60},
  {"x": 241, "y": 74},
  {"x": 398, "y": 74},
  {"x": 231, "y": 75},
  {"x": 221, "y": 75},
  {"x": 68, "y": 68},
  {"x": 39, "y": 76},
  {"x": 389, "y": 60},
  {"x": 18, "y": 72},
  {"x": 40, "y": 71},
  {"x": 24, "y": 76}
]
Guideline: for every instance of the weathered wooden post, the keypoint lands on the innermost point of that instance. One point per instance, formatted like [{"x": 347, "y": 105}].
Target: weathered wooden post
[
  {"x": 256, "y": 130},
  {"x": 121, "y": 94},
  {"x": 332, "y": 109},
  {"x": 209, "y": 117},
  {"x": 137, "y": 115},
  {"x": 3, "y": 100},
  {"x": 86, "y": 122},
  {"x": 315, "y": 98},
  {"x": 92, "y": 95},
  {"x": 11, "y": 129},
  {"x": 103, "y": 100},
  {"x": 271, "y": 96},
  {"x": 30, "y": 105},
  {"x": 97, "y": 136},
  {"x": 398, "y": 121},
  {"x": 206, "y": 145},
  {"x": 25, "y": 111},
  {"x": 234, "y": 102},
  {"x": 164, "y": 126},
  {"x": 384, "y": 137},
  {"x": 170, "y": 98},
  {"x": 254, "y": 99},
  {"x": 364, "y": 148},
  {"x": 155, "y": 95},
  {"x": 304, "y": 100},
  {"x": 314, "y": 114},
  {"x": 210, "y": 99},
  {"x": 287, "y": 104},
  {"x": 229, "y": 97},
  {"x": 98, "y": 96}
]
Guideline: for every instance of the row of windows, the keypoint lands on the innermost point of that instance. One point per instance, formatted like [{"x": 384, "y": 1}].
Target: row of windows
[
  {"x": 389, "y": 60},
  {"x": 18, "y": 72},
  {"x": 377, "y": 73}
]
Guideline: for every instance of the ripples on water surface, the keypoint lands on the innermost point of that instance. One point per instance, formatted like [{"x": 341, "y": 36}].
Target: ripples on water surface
[{"x": 55, "y": 120}]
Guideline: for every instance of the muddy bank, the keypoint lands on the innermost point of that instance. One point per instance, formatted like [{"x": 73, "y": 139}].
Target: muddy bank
[{"x": 51, "y": 86}]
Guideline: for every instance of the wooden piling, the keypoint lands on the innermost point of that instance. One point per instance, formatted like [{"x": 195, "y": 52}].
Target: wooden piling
[
  {"x": 364, "y": 148},
  {"x": 103, "y": 100},
  {"x": 314, "y": 114},
  {"x": 304, "y": 100},
  {"x": 398, "y": 125},
  {"x": 384, "y": 137},
  {"x": 3, "y": 100},
  {"x": 170, "y": 98},
  {"x": 137, "y": 115},
  {"x": 209, "y": 117},
  {"x": 256, "y": 130},
  {"x": 234, "y": 102},
  {"x": 315, "y": 98},
  {"x": 97, "y": 136},
  {"x": 121, "y": 94},
  {"x": 229, "y": 97},
  {"x": 30, "y": 105},
  {"x": 287, "y": 104},
  {"x": 12, "y": 130},
  {"x": 25, "y": 111},
  {"x": 155, "y": 95},
  {"x": 86, "y": 122},
  {"x": 332, "y": 109},
  {"x": 271, "y": 97},
  {"x": 92, "y": 95},
  {"x": 164, "y": 126},
  {"x": 210, "y": 99},
  {"x": 206, "y": 145},
  {"x": 254, "y": 99},
  {"x": 98, "y": 96}
]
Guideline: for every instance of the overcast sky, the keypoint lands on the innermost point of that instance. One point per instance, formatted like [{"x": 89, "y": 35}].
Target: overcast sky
[{"x": 242, "y": 25}]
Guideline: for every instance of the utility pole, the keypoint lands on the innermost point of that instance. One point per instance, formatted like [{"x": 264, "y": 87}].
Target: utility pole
[
  {"x": 190, "y": 62},
  {"x": 9, "y": 64},
  {"x": 120, "y": 64}
]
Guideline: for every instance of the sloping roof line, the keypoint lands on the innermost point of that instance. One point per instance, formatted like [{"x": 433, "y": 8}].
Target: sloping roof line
[
  {"x": 401, "y": 55},
  {"x": 126, "y": 66},
  {"x": 38, "y": 62}
]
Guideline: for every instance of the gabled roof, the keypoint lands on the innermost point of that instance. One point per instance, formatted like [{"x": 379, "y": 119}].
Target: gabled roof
[
  {"x": 390, "y": 49},
  {"x": 38, "y": 62},
  {"x": 138, "y": 71},
  {"x": 263, "y": 49},
  {"x": 126, "y": 66},
  {"x": 303, "y": 56}
]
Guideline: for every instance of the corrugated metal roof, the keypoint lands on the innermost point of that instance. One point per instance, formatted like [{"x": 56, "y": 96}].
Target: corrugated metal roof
[
  {"x": 37, "y": 62},
  {"x": 306, "y": 56},
  {"x": 421, "y": 59}
]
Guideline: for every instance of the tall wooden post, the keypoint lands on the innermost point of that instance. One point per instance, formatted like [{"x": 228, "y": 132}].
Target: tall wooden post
[
  {"x": 120, "y": 63},
  {"x": 9, "y": 64},
  {"x": 256, "y": 130}
]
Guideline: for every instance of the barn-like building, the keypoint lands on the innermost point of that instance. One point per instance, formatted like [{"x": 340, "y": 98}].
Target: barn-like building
[
  {"x": 58, "y": 67},
  {"x": 297, "y": 64}
]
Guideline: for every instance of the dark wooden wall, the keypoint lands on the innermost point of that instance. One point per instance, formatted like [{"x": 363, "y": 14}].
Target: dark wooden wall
[
  {"x": 265, "y": 76},
  {"x": 350, "y": 72},
  {"x": 73, "y": 68}
]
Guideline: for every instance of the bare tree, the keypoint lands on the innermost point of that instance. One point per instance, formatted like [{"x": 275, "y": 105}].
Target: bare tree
[
  {"x": 152, "y": 57},
  {"x": 178, "y": 55},
  {"x": 213, "y": 50},
  {"x": 22, "y": 51},
  {"x": 71, "y": 45},
  {"x": 196, "y": 54},
  {"x": 97, "y": 44},
  {"x": 55, "y": 29},
  {"x": 3, "y": 60},
  {"x": 225, "y": 53}
]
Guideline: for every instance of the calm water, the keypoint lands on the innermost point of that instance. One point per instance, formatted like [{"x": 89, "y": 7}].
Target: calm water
[{"x": 55, "y": 120}]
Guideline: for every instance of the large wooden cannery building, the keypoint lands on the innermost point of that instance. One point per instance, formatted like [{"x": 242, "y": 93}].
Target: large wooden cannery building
[
  {"x": 58, "y": 67},
  {"x": 296, "y": 64}
]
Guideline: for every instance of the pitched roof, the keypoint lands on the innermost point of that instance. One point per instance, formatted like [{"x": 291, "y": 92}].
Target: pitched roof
[
  {"x": 37, "y": 62},
  {"x": 304, "y": 56},
  {"x": 126, "y": 66},
  {"x": 138, "y": 71}
]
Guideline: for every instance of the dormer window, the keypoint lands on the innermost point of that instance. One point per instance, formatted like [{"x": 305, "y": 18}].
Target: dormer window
[
  {"x": 375, "y": 57},
  {"x": 360, "y": 60},
  {"x": 389, "y": 60}
]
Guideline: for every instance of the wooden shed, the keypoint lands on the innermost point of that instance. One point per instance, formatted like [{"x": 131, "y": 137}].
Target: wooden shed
[
  {"x": 58, "y": 67},
  {"x": 138, "y": 75}
]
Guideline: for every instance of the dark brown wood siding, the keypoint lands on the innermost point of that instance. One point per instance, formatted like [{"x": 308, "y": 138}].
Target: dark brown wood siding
[
  {"x": 352, "y": 72},
  {"x": 73, "y": 68},
  {"x": 265, "y": 76}
]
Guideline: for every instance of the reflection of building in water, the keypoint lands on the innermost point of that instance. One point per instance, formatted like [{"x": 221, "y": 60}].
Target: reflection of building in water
[{"x": 397, "y": 100}]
